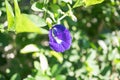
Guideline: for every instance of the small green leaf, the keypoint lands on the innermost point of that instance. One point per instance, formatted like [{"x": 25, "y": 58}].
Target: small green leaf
[
  {"x": 0, "y": 12},
  {"x": 55, "y": 8},
  {"x": 78, "y": 3},
  {"x": 29, "y": 48},
  {"x": 43, "y": 62},
  {"x": 37, "y": 65},
  {"x": 92, "y": 2},
  {"x": 58, "y": 56},
  {"x": 60, "y": 77},
  {"x": 16, "y": 76},
  {"x": 10, "y": 15},
  {"x": 56, "y": 69}
]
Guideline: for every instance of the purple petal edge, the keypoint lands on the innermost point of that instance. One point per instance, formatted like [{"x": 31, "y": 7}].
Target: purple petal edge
[{"x": 63, "y": 34}]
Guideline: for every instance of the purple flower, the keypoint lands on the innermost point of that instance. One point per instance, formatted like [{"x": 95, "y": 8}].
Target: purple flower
[{"x": 59, "y": 38}]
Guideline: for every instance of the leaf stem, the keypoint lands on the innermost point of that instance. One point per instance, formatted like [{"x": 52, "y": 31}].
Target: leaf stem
[{"x": 50, "y": 13}]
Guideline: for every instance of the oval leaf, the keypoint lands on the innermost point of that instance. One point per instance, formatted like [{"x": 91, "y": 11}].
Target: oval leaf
[
  {"x": 92, "y": 2},
  {"x": 29, "y": 48}
]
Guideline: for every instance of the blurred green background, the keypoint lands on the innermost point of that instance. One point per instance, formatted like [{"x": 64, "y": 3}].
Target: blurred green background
[{"x": 95, "y": 50}]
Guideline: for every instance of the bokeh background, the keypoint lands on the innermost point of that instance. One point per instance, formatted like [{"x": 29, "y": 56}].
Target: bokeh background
[{"x": 95, "y": 50}]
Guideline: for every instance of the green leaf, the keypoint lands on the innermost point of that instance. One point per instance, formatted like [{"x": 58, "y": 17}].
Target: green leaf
[
  {"x": 37, "y": 65},
  {"x": 10, "y": 15},
  {"x": 78, "y": 3},
  {"x": 106, "y": 70},
  {"x": 116, "y": 61},
  {"x": 55, "y": 8},
  {"x": 24, "y": 24},
  {"x": 92, "y": 2},
  {"x": 17, "y": 9},
  {"x": 0, "y": 13},
  {"x": 58, "y": 56},
  {"x": 16, "y": 76},
  {"x": 43, "y": 62},
  {"x": 60, "y": 77},
  {"x": 38, "y": 21},
  {"x": 43, "y": 77},
  {"x": 56, "y": 69},
  {"x": 29, "y": 48}
]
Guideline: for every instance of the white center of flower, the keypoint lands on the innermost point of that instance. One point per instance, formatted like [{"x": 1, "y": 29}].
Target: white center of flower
[{"x": 59, "y": 41}]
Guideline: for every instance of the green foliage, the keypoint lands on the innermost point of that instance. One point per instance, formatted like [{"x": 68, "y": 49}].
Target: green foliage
[
  {"x": 29, "y": 48},
  {"x": 37, "y": 6},
  {"x": 37, "y": 20},
  {"x": 60, "y": 77},
  {"x": 92, "y": 2},
  {"x": 78, "y": 3},
  {"x": 31, "y": 25},
  {"x": 15, "y": 77},
  {"x": 10, "y": 15},
  {"x": 95, "y": 50}
]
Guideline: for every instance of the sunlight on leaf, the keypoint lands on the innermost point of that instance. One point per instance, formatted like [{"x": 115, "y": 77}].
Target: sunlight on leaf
[
  {"x": 37, "y": 65},
  {"x": 10, "y": 15},
  {"x": 24, "y": 24},
  {"x": 28, "y": 24},
  {"x": 116, "y": 61},
  {"x": 92, "y": 2},
  {"x": 78, "y": 3},
  {"x": 16, "y": 76},
  {"x": 17, "y": 9},
  {"x": 29, "y": 48},
  {"x": 38, "y": 21},
  {"x": 43, "y": 62},
  {"x": 103, "y": 45},
  {"x": 60, "y": 77},
  {"x": 58, "y": 56}
]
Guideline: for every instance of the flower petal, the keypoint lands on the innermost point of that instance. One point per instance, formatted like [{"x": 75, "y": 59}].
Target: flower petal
[
  {"x": 59, "y": 38},
  {"x": 57, "y": 47}
]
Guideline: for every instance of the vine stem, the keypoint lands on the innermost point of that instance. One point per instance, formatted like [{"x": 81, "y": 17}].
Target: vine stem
[
  {"x": 63, "y": 17},
  {"x": 50, "y": 13},
  {"x": 65, "y": 14}
]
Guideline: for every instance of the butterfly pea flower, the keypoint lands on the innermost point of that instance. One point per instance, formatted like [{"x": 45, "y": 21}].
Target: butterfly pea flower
[{"x": 59, "y": 38}]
